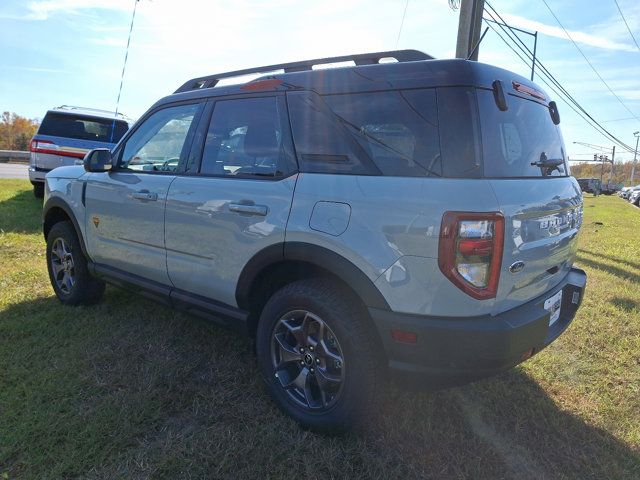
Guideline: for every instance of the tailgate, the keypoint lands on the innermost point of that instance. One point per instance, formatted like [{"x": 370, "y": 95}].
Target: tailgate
[{"x": 542, "y": 220}]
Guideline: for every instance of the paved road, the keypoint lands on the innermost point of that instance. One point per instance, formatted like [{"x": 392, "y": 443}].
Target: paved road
[{"x": 13, "y": 170}]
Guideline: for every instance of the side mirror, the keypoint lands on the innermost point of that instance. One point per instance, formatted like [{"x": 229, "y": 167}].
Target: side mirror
[{"x": 98, "y": 160}]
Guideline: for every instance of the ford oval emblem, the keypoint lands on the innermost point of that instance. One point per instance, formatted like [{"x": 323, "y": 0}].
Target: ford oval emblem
[{"x": 516, "y": 267}]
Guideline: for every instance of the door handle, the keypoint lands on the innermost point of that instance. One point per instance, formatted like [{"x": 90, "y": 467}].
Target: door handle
[
  {"x": 248, "y": 209},
  {"x": 145, "y": 195}
]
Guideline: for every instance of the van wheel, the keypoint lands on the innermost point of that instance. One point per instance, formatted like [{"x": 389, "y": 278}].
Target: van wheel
[
  {"x": 70, "y": 278},
  {"x": 38, "y": 190},
  {"x": 317, "y": 356}
]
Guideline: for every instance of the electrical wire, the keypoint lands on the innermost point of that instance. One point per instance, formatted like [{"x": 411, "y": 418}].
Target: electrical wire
[
  {"x": 565, "y": 95},
  {"x": 402, "y": 23},
  {"x": 124, "y": 66},
  {"x": 587, "y": 60},
  {"x": 627, "y": 25}
]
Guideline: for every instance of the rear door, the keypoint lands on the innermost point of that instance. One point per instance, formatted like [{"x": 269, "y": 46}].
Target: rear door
[
  {"x": 64, "y": 138},
  {"x": 542, "y": 206},
  {"x": 236, "y": 202},
  {"x": 125, "y": 207}
]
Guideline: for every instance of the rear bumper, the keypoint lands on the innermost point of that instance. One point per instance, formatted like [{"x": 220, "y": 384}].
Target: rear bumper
[
  {"x": 456, "y": 350},
  {"x": 36, "y": 175}
]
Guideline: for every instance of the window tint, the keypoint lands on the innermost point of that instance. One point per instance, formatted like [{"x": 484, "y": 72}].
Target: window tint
[
  {"x": 322, "y": 144},
  {"x": 515, "y": 139},
  {"x": 459, "y": 132},
  {"x": 157, "y": 144},
  {"x": 246, "y": 138},
  {"x": 82, "y": 127},
  {"x": 397, "y": 129}
]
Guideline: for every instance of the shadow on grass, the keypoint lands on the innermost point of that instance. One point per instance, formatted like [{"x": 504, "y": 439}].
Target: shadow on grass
[
  {"x": 613, "y": 258},
  {"x": 617, "y": 271},
  {"x": 128, "y": 389},
  {"x": 21, "y": 213},
  {"x": 626, "y": 304}
]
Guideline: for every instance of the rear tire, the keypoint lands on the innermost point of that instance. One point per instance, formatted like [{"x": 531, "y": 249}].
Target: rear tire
[
  {"x": 317, "y": 355},
  {"x": 67, "y": 265},
  {"x": 38, "y": 190}
]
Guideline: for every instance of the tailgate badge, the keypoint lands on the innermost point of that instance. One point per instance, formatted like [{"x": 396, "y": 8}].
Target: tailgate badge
[{"x": 516, "y": 267}]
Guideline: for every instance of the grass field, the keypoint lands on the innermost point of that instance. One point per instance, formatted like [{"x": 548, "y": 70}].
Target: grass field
[{"x": 130, "y": 389}]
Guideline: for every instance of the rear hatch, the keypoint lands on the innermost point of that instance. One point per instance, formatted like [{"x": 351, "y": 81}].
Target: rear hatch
[
  {"x": 541, "y": 203},
  {"x": 64, "y": 138}
]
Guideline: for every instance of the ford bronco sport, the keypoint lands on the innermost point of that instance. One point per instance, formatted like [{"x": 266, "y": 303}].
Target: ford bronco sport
[{"x": 409, "y": 217}]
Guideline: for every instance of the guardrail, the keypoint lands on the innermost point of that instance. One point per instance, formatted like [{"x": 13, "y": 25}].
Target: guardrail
[{"x": 14, "y": 156}]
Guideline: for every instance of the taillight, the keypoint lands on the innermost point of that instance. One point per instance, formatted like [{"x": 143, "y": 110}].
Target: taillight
[
  {"x": 42, "y": 146},
  {"x": 470, "y": 251}
]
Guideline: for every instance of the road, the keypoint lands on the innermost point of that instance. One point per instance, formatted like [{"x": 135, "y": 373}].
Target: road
[{"x": 14, "y": 170}]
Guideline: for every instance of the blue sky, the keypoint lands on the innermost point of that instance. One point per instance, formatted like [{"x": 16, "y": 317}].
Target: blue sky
[{"x": 55, "y": 52}]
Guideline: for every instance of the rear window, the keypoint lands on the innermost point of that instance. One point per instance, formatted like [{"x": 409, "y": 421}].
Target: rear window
[
  {"x": 515, "y": 140},
  {"x": 82, "y": 127}
]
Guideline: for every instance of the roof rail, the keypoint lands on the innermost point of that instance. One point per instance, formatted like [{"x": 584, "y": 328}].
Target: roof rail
[
  {"x": 305, "y": 65},
  {"x": 88, "y": 109}
]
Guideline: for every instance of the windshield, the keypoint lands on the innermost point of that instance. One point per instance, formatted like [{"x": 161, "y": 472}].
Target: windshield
[{"x": 521, "y": 142}]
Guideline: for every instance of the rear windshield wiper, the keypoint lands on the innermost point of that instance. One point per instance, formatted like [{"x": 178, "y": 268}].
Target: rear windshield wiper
[{"x": 548, "y": 164}]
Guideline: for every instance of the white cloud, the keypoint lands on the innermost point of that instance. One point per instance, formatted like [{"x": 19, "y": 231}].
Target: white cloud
[{"x": 577, "y": 36}]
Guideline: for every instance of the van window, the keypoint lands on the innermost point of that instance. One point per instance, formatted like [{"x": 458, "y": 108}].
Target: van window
[
  {"x": 397, "y": 129},
  {"x": 82, "y": 127},
  {"x": 514, "y": 140}
]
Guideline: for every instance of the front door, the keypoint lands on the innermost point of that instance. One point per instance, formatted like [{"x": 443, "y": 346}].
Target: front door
[
  {"x": 238, "y": 201},
  {"x": 125, "y": 207}
]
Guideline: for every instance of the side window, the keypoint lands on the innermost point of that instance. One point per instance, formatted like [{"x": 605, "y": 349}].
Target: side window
[
  {"x": 322, "y": 144},
  {"x": 156, "y": 146},
  {"x": 247, "y": 137},
  {"x": 397, "y": 129}
]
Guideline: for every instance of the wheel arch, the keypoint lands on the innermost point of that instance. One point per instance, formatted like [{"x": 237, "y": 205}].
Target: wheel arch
[
  {"x": 57, "y": 210},
  {"x": 280, "y": 264}
]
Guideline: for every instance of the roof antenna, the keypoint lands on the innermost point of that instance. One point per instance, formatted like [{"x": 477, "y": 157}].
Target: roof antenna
[
  {"x": 478, "y": 44},
  {"x": 126, "y": 55}
]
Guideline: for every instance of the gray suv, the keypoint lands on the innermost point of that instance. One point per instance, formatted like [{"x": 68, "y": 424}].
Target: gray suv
[{"x": 414, "y": 218}]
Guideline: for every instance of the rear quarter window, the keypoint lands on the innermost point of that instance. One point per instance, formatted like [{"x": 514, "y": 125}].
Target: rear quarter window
[{"x": 82, "y": 127}]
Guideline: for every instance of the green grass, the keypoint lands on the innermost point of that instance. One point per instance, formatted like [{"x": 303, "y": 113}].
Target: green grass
[{"x": 130, "y": 389}]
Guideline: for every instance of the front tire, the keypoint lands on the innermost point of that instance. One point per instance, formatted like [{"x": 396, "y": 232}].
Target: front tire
[
  {"x": 68, "y": 272},
  {"x": 317, "y": 355}
]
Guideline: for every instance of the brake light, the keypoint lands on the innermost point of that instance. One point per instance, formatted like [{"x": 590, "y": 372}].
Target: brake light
[
  {"x": 40, "y": 145},
  {"x": 47, "y": 146},
  {"x": 470, "y": 251}
]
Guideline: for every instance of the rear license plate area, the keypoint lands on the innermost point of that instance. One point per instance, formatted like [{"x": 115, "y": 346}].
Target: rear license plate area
[{"x": 552, "y": 305}]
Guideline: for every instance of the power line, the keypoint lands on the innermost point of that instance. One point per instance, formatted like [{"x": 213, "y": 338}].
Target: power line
[
  {"x": 124, "y": 65},
  {"x": 627, "y": 25},
  {"x": 566, "y": 96},
  {"x": 402, "y": 23},
  {"x": 587, "y": 60}
]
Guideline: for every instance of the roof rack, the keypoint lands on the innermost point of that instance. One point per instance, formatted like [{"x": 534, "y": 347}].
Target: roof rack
[
  {"x": 88, "y": 109},
  {"x": 305, "y": 65}
]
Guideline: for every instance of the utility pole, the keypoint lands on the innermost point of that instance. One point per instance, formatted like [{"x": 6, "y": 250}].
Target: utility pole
[
  {"x": 635, "y": 155},
  {"x": 613, "y": 158},
  {"x": 469, "y": 26}
]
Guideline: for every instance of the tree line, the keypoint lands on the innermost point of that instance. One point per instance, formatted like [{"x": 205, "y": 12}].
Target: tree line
[
  {"x": 621, "y": 172},
  {"x": 16, "y": 131}
]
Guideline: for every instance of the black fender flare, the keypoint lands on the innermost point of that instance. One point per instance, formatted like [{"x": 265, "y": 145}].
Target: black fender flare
[
  {"x": 315, "y": 255},
  {"x": 57, "y": 202}
]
